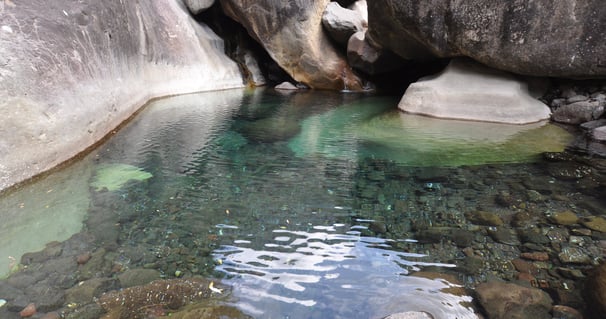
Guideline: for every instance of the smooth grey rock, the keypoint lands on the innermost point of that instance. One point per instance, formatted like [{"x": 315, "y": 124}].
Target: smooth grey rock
[
  {"x": 599, "y": 134},
  {"x": 574, "y": 255},
  {"x": 71, "y": 72},
  {"x": 565, "y": 40},
  {"x": 576, "y": 98},
  {"x": 410, "y": 315},
  {"x": 292, "y": 34},
  {"x": 286, "y": 86},
  {"x": 198, "y": 6},
  {"x": 87, "y": 290},
  {"x": 340, "y": 22},
  {"x": 469, "y": 91},
  {"x": 361, "y": 7},
  {"x": 593, "y": 124},
  {"x": 578, "y": 112}
]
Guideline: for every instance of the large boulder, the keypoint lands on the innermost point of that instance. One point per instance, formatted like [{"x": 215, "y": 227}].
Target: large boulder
[
  {"x": 292, "y": 34},
  {"x": 72, "y": 71},
  {"x": 466, "y": 90},
  {"x": 539, "y": 38},
  {"x": 341, "y": 23}
]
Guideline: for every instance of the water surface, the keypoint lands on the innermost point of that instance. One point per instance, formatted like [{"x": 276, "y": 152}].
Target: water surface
[{"x": 311, "y": 205}]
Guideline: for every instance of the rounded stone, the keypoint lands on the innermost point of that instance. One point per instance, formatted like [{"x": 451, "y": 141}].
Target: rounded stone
[
  {"x": 484, "y": 218},
  {"x": 565, "y": 218},
  {"x": 410, "y": 315},
  {"x": 595, "y": 223},
  {"x": 28, "y": 311},
  {"x": 506, "y": 300}
]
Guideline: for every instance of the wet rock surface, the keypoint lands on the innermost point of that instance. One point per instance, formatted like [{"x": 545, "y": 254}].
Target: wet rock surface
[
  {"x": 495, "y": 33},
  {"x": 467, "y": 90}
]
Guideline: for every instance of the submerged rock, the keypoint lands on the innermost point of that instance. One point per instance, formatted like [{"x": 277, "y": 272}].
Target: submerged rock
[
  {"x": 113, "y": 176},
  {"x": 470, "y": 91},
  {"x": 507, "y": 301},
  {"x": 377, "y": 131},
  {"x": 206, "y": 311},
  {"x": 163, "y": 295}
]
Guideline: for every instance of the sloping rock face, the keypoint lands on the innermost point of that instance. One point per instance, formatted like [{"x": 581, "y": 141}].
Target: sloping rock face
[
  {"x": 539, "y": 38},
  {"x": 291, "y": 32},
  {"x": 70, "y": 72},
  {"x": 467, "y": 90}
]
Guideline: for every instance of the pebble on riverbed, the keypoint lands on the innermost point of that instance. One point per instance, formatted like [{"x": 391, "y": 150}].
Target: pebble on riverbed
[
  {"x": 28, "y": 311},
  {"x": 506, "y": 300}
]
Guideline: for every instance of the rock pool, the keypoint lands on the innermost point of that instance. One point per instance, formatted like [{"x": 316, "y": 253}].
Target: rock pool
[{"x": 304, "y": 205}]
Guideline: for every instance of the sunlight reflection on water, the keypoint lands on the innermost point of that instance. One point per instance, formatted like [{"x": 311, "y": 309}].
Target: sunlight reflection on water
[{"x": 326, "y": 273}]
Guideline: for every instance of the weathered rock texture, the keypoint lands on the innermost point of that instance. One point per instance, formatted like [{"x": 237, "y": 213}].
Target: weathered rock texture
[
  {"x": 540, "y": 38},
  {"x": 70, "y": 72},
  {"x": 198, "y": 6},
  {"x": 292, "y": 34},
  {"x": 469, "y": 91},
  {"x": 341, "y": 23}
]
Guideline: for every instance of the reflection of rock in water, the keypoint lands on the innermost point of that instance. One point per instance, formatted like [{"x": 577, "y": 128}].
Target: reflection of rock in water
[{"x": 49, "y": 209}]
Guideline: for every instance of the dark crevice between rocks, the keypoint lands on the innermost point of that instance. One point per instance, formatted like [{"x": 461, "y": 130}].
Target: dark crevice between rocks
[{"x": 238, "y": 42}]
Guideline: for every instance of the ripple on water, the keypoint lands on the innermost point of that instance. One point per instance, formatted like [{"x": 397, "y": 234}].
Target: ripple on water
[{"x": 346, "y": 276}]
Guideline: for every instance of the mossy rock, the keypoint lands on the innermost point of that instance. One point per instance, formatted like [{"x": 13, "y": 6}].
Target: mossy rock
[{"x": 114, "y": 176}]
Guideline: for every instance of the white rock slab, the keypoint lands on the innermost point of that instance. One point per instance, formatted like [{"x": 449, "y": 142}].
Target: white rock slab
[{"x": 467, "y": 90}]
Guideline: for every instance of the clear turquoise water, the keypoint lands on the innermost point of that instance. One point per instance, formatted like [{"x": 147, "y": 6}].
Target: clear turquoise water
[{"x": 310, "y": 205}]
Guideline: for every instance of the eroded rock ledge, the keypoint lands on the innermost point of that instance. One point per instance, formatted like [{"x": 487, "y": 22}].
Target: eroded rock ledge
[{"x": 71, "y": 72}]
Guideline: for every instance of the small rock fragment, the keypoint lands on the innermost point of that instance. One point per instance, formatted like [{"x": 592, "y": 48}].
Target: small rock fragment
[
  {"x": 565, "y": 218},
  {"x": 83, "y": 258},
  {"x": 28, "y": 311}
]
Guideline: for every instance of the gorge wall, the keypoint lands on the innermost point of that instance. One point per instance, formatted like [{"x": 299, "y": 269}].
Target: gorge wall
[{"x": 71, "y": 72}]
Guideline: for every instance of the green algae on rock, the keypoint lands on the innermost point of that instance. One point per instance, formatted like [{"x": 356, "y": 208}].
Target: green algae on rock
[{"x": 114, "y": 176}]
